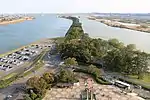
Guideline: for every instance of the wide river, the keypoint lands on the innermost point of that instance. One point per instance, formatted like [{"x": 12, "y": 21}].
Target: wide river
[
  {"x": 16, "y": 35},
  {"x": 100, "y": 30}
]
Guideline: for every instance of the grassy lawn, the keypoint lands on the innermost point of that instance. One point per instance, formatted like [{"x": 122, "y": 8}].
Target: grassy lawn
[
  {"x": 9, "y": 76},
  {"x": 146, "y": 78},
  {"x": 36, "y": 67},
  {"x": 133, "y": 79}
]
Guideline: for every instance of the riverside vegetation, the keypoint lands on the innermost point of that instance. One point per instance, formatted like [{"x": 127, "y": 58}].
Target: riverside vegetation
[
  {"x": 110, "y": 54},
  {"x": 77, "y": 47}
]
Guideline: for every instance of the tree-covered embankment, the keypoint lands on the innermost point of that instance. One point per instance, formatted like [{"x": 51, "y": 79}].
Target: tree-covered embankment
[
  {"x": 75, "y": 31},
  {"x": 110, "y": 54}
]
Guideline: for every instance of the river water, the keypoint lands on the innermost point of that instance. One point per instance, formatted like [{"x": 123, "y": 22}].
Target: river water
[
  {"x": 99, "y": 30},
  {"x": 16, "y": 35}
]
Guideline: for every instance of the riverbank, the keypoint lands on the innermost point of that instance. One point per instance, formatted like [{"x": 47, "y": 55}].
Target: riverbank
[
  {"x": 22, "y": 47},
  {"x": 16, "y": 20},
  {"x": 136, "y": 27}
]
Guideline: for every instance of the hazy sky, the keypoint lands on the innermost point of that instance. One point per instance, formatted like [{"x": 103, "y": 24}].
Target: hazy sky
[{"x": 75, "y": 6}]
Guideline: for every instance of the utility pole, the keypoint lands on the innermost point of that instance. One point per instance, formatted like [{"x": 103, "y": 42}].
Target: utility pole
[
  {"x": 91, "y": 95},
  {"x": 86, "y": 88},
  {"x": 87, "y": 95}
]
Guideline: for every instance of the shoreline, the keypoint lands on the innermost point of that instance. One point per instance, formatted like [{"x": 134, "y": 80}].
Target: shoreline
[
  {"x": 117, "y": 24},
  {"x": 33, "y": 43},
  {"x": 16, "y": 21}
]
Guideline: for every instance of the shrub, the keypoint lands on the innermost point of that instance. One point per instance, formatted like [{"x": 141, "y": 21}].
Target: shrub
[
  {"x": 27, "y": 97},
  {"x": 66, "y": 76},
  {"x": 100, "y": 80},
  {"x": 33, "y": 96}
]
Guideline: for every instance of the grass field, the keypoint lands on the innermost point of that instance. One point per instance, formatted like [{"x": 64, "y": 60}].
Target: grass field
[
  {"x": 133, "y": 79},
  {"x": 9, "y": 76},
  {"x": 145, "y": 79}
]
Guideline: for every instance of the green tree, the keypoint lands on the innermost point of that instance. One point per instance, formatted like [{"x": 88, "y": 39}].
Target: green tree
[
  {"x": 27, "y": 97},
  {"x": 66, "y": 76},
  {"x": 38, "y": 84},
  {"x": 32, "y": 82},
  {"x": 70, "y": 62},
  {"x": 91, "y": 69},
  {"x": 94, "y": 70},
  {"x": 131, "y": 47},
  {"x": 33, "y": 96},
  {"x": 140, "y": 62},
  {"x": 63, "y": 75},
  {"x": 111, "y": 60},
  {"x": 48, "y": 77},
  {"x": 115, "y": 43}
]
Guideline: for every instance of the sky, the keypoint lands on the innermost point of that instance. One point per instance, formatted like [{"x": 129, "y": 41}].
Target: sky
[{"x": 74, "y": 6}]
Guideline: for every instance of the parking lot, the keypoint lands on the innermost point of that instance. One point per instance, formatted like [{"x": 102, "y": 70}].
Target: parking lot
[{"x": 13, "y": 61}]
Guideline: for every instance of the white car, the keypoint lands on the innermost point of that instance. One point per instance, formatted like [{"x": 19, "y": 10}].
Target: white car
[{"x": 9, "y": 96}]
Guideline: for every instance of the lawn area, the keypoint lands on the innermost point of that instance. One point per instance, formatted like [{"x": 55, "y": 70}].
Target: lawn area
[
  {"x": 9, "y": 76},
  {"x": 36, "y": 67},
  {"x": 146, "y": 78},
  {"x": 133, "y": 79}
]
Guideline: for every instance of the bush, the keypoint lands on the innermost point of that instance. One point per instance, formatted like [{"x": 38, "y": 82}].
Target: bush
[
  {"x": 66, "y": 76},
  {"x": 27, "y": 97},
  {"x": 100, "y": 80},
  {"x": 7, "y": 82},
  {"x": 33, "y": 96},
  {"x": 38, "y": 99}
]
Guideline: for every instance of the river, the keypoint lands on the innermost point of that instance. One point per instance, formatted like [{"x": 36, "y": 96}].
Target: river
[
  {"x": 99, "y": 30},
  {"x": 13, "y": 36}
]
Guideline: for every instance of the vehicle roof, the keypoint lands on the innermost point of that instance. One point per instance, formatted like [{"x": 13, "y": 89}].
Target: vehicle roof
[{"x": 122, "y": 83}]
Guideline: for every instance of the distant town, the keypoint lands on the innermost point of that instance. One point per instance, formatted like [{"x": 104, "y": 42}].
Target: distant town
[
  {"x": 9, "y": 19},
  {"x": 138, "y": 22}
]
